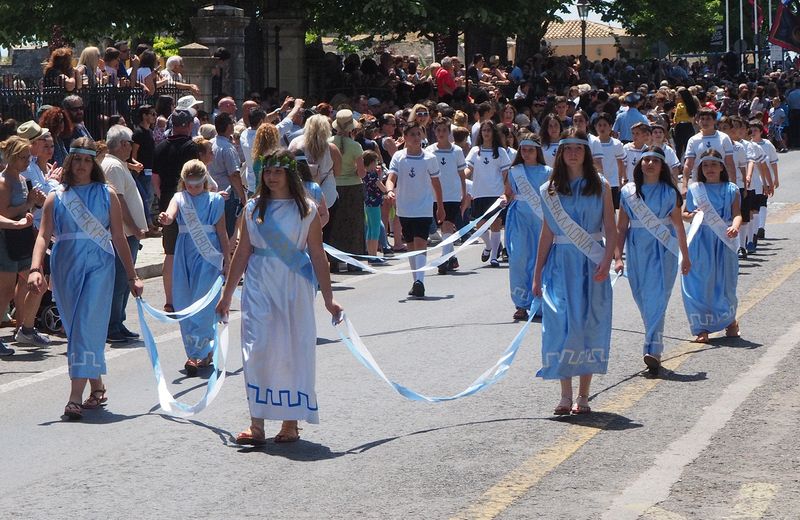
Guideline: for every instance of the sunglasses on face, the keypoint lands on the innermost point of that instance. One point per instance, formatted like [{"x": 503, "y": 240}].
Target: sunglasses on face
[{"x": 421, "y": 114}]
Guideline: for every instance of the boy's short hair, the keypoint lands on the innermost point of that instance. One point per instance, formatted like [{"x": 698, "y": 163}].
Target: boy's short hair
[
  {"x": 643, "y": 127},
  {"x": 757, "y": 124},
  {"x": 370, "y": 157},
  {"x": 441, "y": 121},
  {"x": 605, "y": 116},
  {"x": 460, "y": 134},
  {"x": 411, "y": 125},
  {"x": 705, "y": 111}
]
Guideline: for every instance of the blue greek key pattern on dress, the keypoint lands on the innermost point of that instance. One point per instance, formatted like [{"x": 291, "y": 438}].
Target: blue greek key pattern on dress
[
  {"x": 710, "y": 319},
  {"x": 269, "y": 398},
  {"x": 575, "y": 357}
]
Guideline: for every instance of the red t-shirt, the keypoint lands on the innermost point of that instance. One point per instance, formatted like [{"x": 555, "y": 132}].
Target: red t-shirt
[{"x": 444, "y": 78}]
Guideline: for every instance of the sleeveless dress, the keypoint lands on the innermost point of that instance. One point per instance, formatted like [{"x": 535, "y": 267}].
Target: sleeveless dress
[
  {"x": 576, "y": 315},
  {"x": 709, "y": 290},
  {"x": 279, "y": 333},
  {"x": 82, "y": 276},
  {"x": 523, "y": 228},
  {"x": 193, "y": 275},
  {"x": 652, "y": 268}
]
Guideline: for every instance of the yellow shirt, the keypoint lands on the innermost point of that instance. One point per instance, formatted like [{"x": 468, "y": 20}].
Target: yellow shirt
[{"x": 681, "y": 115}]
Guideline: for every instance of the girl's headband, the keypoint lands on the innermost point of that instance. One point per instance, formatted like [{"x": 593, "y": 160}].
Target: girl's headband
[
  {"x": 282, "y": 162},
  {"x": 197, "y": 182},
  {"x": 654, "y": 154},
  {"x": 573, "y": 140},
  {"x": 85, "y": 151},
  {"x": 710, "y": 158},
  {"x": 529, "y": 142}
]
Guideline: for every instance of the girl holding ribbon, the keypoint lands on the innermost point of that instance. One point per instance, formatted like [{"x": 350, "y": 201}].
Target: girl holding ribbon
[
  {"x": 201, "y": 254},
  {"x": 709, "y": 290},
  {"x": 571, "y": 274},
  {"x": 85, "y": 219},
  {"x": 524, "y": 220},
  {"x": 281, "y": 248},
  {"x": 651, "y": 223}
]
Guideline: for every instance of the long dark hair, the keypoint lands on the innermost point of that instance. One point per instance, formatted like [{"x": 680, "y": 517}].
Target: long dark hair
[
  {"x": 723, "y": 176},
  {"x": 296, "y": 188},
  {"x": 539, "y": 155},
  {"x": 68, "y": 178},
  {"x": 495, "y": 139},
  {"x": 544, "y": 135},
  {"x": 664, "y": 176},
  {"x": 688, "y": 101},
  {"x": 559, "y": 179}
]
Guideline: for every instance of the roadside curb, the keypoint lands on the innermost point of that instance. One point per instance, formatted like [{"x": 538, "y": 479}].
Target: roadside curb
[{"x": 149, "y": 271}]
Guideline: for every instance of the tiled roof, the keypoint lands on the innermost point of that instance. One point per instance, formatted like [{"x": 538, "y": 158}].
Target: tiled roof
[{"x": 572, "y": 29}]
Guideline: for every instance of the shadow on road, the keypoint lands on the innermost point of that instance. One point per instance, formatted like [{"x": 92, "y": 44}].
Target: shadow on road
[
  {"x": 599, "y": 420},
  {"x": 97, "y": 416},
  {"x": 426, "y": 299},
  {"x": 300, "y": 451}
]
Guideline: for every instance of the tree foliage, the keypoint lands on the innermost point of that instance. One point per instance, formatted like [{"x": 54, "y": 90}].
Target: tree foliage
[{"x": 685, "y": 25}]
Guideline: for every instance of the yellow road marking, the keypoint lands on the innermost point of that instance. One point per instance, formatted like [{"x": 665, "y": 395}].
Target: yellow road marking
[
  {"x": 658, "y": 513},
  {"x": 754, "y": 500},
  {"x": 519, "y": 481}
]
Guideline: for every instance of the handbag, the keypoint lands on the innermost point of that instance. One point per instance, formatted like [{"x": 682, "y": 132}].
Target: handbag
[{"x": 19, "y": 243}]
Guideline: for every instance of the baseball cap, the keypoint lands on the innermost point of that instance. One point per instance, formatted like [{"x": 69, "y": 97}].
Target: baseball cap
[{"x": 182, "y": 117}]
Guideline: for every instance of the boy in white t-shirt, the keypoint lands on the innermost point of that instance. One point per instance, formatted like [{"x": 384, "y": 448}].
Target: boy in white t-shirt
[
  {"x": 413, "y": 182},
  {"x": 451, "y": 162},
  {"x": 659, "y": 138},
  {"x": 772, "y": 183},
  {"x": 608, "y": 154},
  {"x": 642, "y": 133},
  {"x": 707, "y": 138}
]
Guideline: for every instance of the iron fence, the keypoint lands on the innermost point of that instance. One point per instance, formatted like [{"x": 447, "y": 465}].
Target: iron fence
[{"x": 100, "y": 102}]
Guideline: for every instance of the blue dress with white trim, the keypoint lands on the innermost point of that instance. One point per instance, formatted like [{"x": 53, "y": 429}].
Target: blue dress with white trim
[
  {"x": 576, "y": 313},
  {"x": 193, "y": 276},
  {"x": 523, "y": 228},
  {"x": 651, "y": 267},
  {"x": 82, "y": 276},
  {"x": 709, "y": 290}
]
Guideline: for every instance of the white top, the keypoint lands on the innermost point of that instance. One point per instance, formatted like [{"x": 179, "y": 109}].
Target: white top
[
  {"x": 549, "y": 151},
  {"x": 755, "y": 154},
  {"x": 770, "y": 155},
  {"x": 246, "y": 140},
  {"x": 487, "y": 171},
  {"x": 671, "y": 156},
  {"x": 699, "y": 143},
  {"x": 609, "y": 153},
  {"x": 120, "y": 178},
  {"x": 740, "y": 160},
  {"x": 475, "y": 132},
  {"x": 451, "y": 163},
  {"x": 413, "y": 186},
  {"x": 632, "y": 156}
]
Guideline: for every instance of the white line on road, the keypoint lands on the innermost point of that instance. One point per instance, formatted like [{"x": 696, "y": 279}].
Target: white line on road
[{"x": 653, "y": 486}]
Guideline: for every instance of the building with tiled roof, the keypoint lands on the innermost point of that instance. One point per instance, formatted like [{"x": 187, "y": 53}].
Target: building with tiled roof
[{"x": 602, "y": 40}]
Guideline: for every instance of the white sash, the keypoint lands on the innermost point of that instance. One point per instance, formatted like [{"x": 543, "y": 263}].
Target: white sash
[
  {"x": 572, "y": 231},
  {"x": 527, "y": 192},
  {"x": 648, "y": 220},
  {"x": 197, "y": 231},
  {"x": 710, "y": 217},
  {"x": 94, "y": 230}
]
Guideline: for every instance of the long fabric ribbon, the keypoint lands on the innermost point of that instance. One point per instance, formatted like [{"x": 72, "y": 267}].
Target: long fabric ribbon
[
  {"x": 220, "y": 353},
  {"x": 649, "y": 220},
  {"x": 495, "y": 373},
  {"x": 449, "y": 240},
  {"x": 433, "y": 264},
  {"x": 711, "y": 218}
]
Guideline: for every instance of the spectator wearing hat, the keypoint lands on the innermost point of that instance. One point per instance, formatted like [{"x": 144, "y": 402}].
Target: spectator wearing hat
[
  {"x": 625, "y": 121},
  {"x": 347, "y": 218},
  {"x": 168, "y": 159},
  {"x": 190, "y": 104}
]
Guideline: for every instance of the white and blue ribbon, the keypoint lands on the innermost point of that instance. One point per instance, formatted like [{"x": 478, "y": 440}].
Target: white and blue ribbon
[
  {"x": 166, "y": 400},
  {"x": 495, "y": 373}
]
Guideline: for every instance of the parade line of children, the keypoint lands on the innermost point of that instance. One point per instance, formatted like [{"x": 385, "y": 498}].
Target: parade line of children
[{"x": 566, "y": 225}]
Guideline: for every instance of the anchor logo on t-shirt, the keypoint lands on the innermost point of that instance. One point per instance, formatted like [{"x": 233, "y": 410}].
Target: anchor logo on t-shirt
[
  {"x": 485, "y": 160},
  {"x": 444, "y": 162},
  {"x": 412, "y": 173}
]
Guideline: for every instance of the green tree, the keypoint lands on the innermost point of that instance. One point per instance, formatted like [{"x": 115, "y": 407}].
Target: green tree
[{"x": 685, "y": 25}]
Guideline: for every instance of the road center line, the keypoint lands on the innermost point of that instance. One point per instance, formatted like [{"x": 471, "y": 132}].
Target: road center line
[{"x": 519, "y": 481}]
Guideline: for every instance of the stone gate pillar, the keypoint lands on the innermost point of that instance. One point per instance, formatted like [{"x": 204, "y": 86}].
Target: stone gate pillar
[
  {"x": 285, "y": 42},
  {"x": 197, "y": 66}
]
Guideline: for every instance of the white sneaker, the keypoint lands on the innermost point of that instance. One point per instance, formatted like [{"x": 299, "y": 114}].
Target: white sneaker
[{"x": 35, "y": 338}]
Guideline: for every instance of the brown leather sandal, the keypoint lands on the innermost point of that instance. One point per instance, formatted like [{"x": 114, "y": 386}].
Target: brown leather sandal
[
  {"x": 285, "y": 435},
  {"x": 732, "y": 330},
  {"x": 96, "y": 399},
  {"x": 191, "y": 367},
  {"x": 73, "y": 411},
  {"x": 253, "y": 436}
]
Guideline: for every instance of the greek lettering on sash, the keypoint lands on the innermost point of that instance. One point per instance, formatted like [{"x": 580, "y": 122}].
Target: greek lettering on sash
[
  {"x": 711, "y": 218},
  {"x": 88, "y": 223},
  {"x": 527, "y": 192},
  {"x": 197, "y": 232},
  {"x": 649, "y": 220},
  {"x": 574, "y": 232}
]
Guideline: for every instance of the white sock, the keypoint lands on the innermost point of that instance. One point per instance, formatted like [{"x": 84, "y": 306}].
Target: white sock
[
  {"x": 449, "y": 247},
  {"x": 494, "y": 238},
  {"x": 485, "y": 237},
  {"x": 762, "y": 217},
  {"x": 421, "y": 260}
]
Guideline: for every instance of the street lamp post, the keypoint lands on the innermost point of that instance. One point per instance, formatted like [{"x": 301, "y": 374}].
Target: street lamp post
[{"x": 583, "y": 13}]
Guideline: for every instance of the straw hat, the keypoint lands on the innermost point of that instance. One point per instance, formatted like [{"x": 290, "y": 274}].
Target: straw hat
[{"x": 344, "y": 121}]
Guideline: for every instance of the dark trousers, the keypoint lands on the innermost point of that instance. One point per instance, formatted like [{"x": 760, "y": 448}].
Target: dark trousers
[
  {"x": 794, "y": 128},
  {"x": 119, "y": 300}
]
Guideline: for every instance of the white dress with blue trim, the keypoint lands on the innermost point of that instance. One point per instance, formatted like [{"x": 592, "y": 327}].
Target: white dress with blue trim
[{"x": 279, "y": 333}]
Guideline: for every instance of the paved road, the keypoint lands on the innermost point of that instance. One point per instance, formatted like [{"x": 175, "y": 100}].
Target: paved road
[{"x": 715, "y": 437}]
